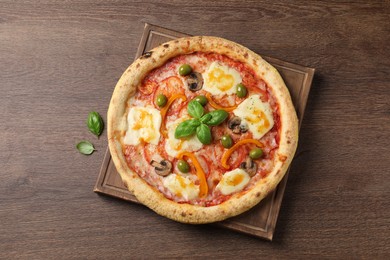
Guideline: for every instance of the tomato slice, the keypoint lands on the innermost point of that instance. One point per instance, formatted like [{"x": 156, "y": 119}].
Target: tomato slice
[
  {"x": 205, "y": 164},
  {"x": 164, "y": 110},
  {"x": 238, "y": 157},
  {"x": 219, "y": 106},
  {"x": 168, "y": 87},
  {"x": 147, "y": 87},
  {"x": 171, "y": 85},
  {"x": 149, "y": 150},
  {"x": 174, "y": 83},
  {"x": 237, "y": 145}
]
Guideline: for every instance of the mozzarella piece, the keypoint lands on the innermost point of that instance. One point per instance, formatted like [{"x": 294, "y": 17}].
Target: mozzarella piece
[
  {"x": 181, "y": 187},
  {"x": 257, "y": 114},
  {"x": 174, "y": 146},
  {"x": 220, "y": 79},
  {"x": 143, "y": 125},
  {"x": 233, "y": 181}
]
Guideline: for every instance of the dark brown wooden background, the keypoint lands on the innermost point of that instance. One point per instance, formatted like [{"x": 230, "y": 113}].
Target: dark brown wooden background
[{"x": 61, "y": 59}]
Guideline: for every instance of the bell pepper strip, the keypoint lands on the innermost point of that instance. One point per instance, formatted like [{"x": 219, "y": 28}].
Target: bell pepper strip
[
  {"x": 173, "y": 82},
  {"x": 228, "y": 153},
  {"x": 217, "y": 106},
  {"x": 164, "y": 111},
  {"x": 203, "y": 187}
]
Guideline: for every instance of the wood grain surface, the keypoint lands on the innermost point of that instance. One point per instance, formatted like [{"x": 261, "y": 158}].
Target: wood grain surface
[{"x": 61, "y": 59}]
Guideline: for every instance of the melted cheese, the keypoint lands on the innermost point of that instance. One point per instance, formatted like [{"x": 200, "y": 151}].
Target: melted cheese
[
  {"x": 233, "y": 181},
  {"x": 257, "y": 114},
  {"x": 221, "y": 79},
  {"x": 143, "y": 125},
  {"x": 181, "y": 187},
  {"x": 175, "y": 146}
]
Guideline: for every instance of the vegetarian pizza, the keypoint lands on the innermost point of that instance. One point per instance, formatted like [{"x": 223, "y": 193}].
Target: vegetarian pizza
[{"x": 201, "y": 129}]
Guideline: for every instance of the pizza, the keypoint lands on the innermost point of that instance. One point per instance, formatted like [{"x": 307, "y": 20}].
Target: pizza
[{"x": 201, "y": 129}]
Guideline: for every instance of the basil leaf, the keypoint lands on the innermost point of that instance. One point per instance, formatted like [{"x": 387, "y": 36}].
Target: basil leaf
[
  {"x": 205, "y": 118},
  {"x": 95, "y": 123},
  {"x": 195, "y": 109},
  {"x": 85, "y": 147},
  {"x": 217, "y": 117},
  {"x": 204, "y": 134},
  {"x": 186, "y": 128}
]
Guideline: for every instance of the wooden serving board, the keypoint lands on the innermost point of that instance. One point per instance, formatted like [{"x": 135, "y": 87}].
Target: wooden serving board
[{"x": 261, "y": 220}]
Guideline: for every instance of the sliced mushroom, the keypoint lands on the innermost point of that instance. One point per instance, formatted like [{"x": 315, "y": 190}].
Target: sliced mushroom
[
  {"x": 162, "y": 168},
  {"x": 249, "y": 166},
  {"x": 194, "y": 81},
  {"x": 237, "y": 125},
  {"x": 244, "y": 127},
  {"x": 234, "y": 124}
]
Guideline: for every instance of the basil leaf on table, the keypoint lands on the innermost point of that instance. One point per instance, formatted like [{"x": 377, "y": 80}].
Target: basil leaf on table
[
  {"x": 186, "y": 128},
  {"x": 217, "y": 117},
  {"x": 95, "y": 123},
  {"x": 204, "y": 134},
  {"x": 195, "y": 109},
  {"x": 85, "y": 147}
]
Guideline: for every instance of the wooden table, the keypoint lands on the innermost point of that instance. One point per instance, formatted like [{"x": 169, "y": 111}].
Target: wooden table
[{"x": 60, "y": 60}]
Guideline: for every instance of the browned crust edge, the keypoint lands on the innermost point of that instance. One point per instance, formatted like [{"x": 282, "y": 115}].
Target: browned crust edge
[{"x": 238, "y": 203}]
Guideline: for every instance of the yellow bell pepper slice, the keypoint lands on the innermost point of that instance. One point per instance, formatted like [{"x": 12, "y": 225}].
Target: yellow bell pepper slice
[
  {"x": 164, "y": 110},
  {"x": 203, "y": 187},
  {"x": 217, "y": 106},
  {"x": 228, "y": 153}
]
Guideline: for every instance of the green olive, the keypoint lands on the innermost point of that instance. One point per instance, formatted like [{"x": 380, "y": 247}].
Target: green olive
[
  {"x": 226, "y": 141},
  {"x": 185, "y": 69},
  {"x": 161, "y": 100},
  {"x": 201, "y": 99},
  {"x": 256, "y": 153},
  {"x": 183, "y": 166},
  {"x": 241, "y": 90}
]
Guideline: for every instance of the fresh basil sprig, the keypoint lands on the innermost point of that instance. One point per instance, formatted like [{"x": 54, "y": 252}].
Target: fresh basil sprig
[
  {"x": 195, "y": 109},
  {"x": 217, "y": 117},
  {"x": 187, "y": 128},
  {"x": 204, "y": 134},
  {"x": 206, "y": 118},
  {"x": 85, "y": 147},
  {"x": 200, "y": 123},
  {"x": 95, "y": 123}
]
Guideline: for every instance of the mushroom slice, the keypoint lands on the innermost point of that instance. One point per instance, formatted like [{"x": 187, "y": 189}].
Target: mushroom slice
[
  {"x": 162, "y": 168},
  {"x": 244, "y": 127},
  {"x": 237, "y": 125},
  {"x": 234, "y": 124},
  {"x": 194, "y": 81},
  {"x": 249, "y": 166}
]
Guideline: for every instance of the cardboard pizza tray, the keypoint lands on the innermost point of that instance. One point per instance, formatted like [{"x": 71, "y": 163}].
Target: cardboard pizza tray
[{"x": 261, "y": 220}]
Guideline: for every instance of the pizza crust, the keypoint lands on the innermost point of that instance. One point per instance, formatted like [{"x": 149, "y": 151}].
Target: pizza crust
[{"x": 238, "y": 203}]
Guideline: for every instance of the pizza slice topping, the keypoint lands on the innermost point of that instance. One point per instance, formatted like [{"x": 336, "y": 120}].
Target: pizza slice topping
[
  {"x": 221, "y": 79},
  {"x": 256, "y": 114},
  {"x": 143, "y": 126},
  {"x": 233, "y": 181},
  {"x": 204, "y": 103},
  {"x": 181, "y": 186},
  {"x": 229, "y": 152},
  {"x": 201, "y": 129},
  {"x": 174, "y": 146},
  {"x": 203, "y": 192},
  {"x": 162, "y": 168},
  {"x": 218, "y": 106},
  {"x": 200, "y": 123}
]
